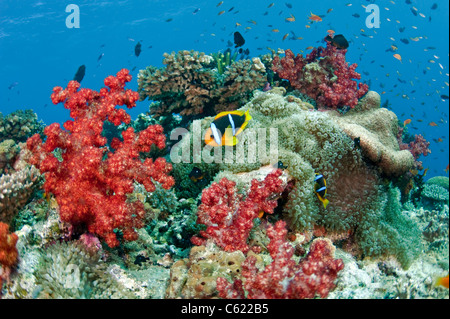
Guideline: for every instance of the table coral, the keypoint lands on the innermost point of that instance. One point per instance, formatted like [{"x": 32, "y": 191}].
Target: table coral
[
  {"x": 190, "y": 84},
  {"x": 323, "y": 75},
  {"x": 91, "y": 182},
  {"x": 284, "y": 278}
]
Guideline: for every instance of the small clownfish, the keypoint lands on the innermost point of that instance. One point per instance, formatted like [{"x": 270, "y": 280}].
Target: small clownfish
[
  {"x": 442, "y": 281},
  {"x": 320, "y": 187},
  {"x": 196, "y": 174},
  {"x": 225, "y": 127}
]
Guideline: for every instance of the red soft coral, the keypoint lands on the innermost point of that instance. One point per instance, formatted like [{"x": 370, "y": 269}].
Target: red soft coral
[
  {"x": 284, "y": 278},
  {"x": 8, "y": 253},
  {"x": 330, "y": 81},
  {"x": 91, "y": 183},
  {"x": 229, "y": 219}
]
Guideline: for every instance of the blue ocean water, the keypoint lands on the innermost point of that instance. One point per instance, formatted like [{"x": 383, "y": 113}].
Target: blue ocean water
[{"x": 38, "y": 51}]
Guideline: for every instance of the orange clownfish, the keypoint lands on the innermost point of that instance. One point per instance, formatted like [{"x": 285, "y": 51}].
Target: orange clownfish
[{"x": 225, "y": 127}]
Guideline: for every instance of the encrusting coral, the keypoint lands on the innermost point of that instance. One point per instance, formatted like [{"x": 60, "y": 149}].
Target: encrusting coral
[{"x": 191, "y": 84}]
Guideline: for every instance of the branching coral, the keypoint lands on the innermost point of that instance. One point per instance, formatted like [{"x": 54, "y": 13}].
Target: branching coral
[
  {"x": 323, "y": 75},
  {"x": 191, "y": 85},
  {"x": 91, "y": 183}
]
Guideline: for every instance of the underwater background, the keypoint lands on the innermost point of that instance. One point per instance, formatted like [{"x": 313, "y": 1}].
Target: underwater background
[{"x": 405, "y": 60}]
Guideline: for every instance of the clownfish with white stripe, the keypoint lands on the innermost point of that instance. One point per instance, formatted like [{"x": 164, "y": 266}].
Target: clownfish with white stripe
[
  {"x": 320, "y": 188},
  {"x": 225, "y": 127}
]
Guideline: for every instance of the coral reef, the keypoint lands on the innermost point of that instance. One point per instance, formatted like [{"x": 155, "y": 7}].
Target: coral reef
[
  {"x": 284, "y": 278},
  {"x": 191, "y": 84},
  {"x": 91, "y": 190},
  {"x": 312, "y": 142},
  {"x": 323, "y": 75}
]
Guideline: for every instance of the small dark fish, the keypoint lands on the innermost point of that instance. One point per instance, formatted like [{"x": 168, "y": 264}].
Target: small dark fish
[
  {"x": 401, "y": 29},
  {"x": 339, "y": 41},
  {"x": 356, "y": 15},
  {"x": 280, "y": 165},
  {"x": 195, "y": 11},
  {"x": 434, "y": 6},
  {"x": 405, "y": 41},
  {"x": 13, "y": 85},
  {"x": 414, "y": 12},
  {"x": 168, "y": 20},
  {"x": 137, "y": 49},
  {"x": 196, "y": 174},
  {"x": 80, "y": 74},
  {"x": 288, "y": 5},
  {"x": 231, "y": 9},
  {"x": 444, "y": 97},
  {"x": 408, "y": 1},
  {"x": 140, "y": 259},
  {"x": 100, "y": 57},
  {"x": 238, "y": 39}
]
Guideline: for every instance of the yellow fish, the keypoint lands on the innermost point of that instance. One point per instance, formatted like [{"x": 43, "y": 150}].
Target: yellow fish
[{"x": 225, "y": 127}]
